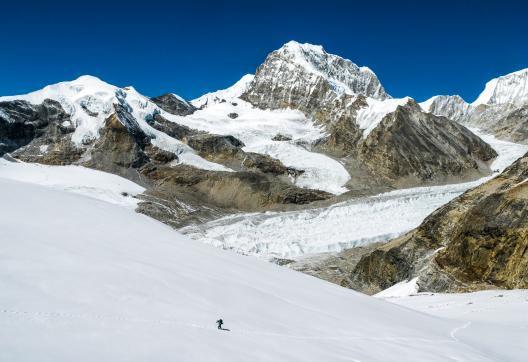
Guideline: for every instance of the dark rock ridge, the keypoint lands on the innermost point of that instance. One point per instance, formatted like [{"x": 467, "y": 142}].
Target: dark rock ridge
[
  {"x": 477, "y": 241},
  {"x": 173, "y": 129},
  {"x": 173, "y": 104}
]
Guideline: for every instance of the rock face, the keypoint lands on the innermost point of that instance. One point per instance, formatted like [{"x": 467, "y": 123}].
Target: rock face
[
  {"x": 477, "y": 241},
  {"x": 452, "y": 107},
  {"x": 122, "y": 145},
  {"x": 174, "y": 104}
]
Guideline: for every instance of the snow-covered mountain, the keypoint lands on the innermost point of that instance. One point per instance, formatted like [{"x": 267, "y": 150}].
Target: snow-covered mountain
[
  {"x": 369, "y": 131},
  {"x": 89, "y": 101},
  {"x": 84, "y": 280},
  {"x": 305, "y": 75},
  {"x": 500, "y": 108}
]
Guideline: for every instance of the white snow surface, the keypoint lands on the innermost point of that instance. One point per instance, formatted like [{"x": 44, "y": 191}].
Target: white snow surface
[
  {"x": 495, "y": 319},
  {"x": 89, "y": 101},
  {"x": 343, "y": 225},
  {"x": 76, "y": 179},
  {"x": 370, "y": 117},
  {"x": 509, "y": 88},
  {"x": 87, "y": 280}
]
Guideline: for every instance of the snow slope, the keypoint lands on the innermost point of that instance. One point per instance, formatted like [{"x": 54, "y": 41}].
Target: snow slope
[
  {"x": 509, "y": 88},
  {"x": 80, "y": 180},
  {"x": 132, "y": 289},
  {"x": 340, "y": 226},
  {"x": 89, "y": 101},
  {"x": 491, "y": 318},
  {"x": 370, "y": 117}
]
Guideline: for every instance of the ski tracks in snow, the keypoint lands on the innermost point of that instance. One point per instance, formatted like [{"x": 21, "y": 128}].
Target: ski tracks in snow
[{"x": 50, "y": 316}]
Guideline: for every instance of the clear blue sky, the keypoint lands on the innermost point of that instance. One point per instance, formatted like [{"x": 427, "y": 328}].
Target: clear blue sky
[{"x": 417, "y": 48}]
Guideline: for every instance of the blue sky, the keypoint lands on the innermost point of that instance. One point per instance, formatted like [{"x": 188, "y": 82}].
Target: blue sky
[{"x": 417, "y": 48}]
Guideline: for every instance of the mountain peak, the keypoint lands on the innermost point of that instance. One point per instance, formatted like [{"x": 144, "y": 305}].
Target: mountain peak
[
  {"x": 294, "y": 46},
  {"x": 343, "y": 75}
]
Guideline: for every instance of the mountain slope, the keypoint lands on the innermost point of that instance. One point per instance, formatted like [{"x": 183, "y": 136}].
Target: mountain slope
[{"x": 132, "y": 289}]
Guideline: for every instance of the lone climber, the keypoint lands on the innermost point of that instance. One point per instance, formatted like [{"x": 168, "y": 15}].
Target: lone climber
[{"x": 220, "y": 322}]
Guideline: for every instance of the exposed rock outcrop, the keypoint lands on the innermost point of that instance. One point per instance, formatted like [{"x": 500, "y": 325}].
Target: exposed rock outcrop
[
  {"x": 248, "y": 191},
  {"x": 307, "y": 78},
  {"x": 174, "y": 104},
  {"x": 227, "y": 150},
  {"x": 37, "y": 133}
]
